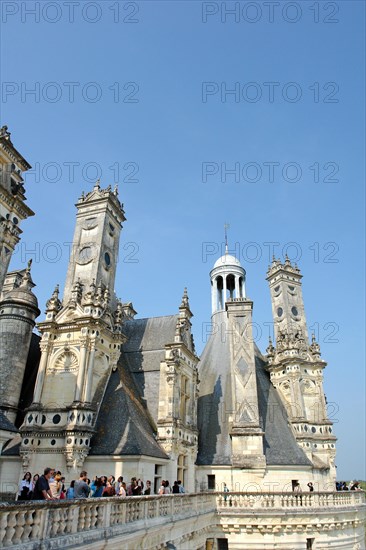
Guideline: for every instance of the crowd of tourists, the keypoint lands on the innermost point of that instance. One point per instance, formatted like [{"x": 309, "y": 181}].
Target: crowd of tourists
[
  {"x": 351, "y": 486},
  {"x": 51, "y": 486}
]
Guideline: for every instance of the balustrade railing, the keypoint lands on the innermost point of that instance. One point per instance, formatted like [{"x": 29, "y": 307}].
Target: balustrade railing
[
  {"x": 289, "y": 500},
  {"x": 24, "y": 524}
]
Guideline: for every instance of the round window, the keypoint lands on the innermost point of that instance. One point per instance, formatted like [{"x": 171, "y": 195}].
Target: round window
[
  {"x": 85, "y": 254},
  {"x": 279, "y": 311},
  {"x": 107, "y": 259},
  {"x": 294, "y": 311},
  {"x": 56, "y": 419}
]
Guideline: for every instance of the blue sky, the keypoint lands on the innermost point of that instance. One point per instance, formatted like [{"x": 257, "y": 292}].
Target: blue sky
[{"x": 166, "y": 125}]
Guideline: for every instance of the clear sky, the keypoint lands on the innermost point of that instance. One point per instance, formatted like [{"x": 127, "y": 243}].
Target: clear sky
[{"x": 139, "y": 93}]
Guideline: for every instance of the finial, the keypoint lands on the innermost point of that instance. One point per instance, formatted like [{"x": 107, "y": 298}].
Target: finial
[
  {"x": 226, "y": 227},
  {"x": 116, "y": 190},
  {"x": 97, "y": 185},
  {"x": 29, "y": 265},
  {"x": 185, "y": 298}
]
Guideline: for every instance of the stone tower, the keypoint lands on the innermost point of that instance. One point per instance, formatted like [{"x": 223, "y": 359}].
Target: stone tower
[
  {"x": 296, "y": 368},
  {"x": 177, "y": 413},
  {"x": 81, "y": 340},
  {"x": 228, "y": 418},
  {"x": 18, "y": 311},
  {"x": 12, "y": 199}
]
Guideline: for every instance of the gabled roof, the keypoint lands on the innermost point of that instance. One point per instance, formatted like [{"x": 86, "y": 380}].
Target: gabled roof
[{"x": 124, "y": 426}]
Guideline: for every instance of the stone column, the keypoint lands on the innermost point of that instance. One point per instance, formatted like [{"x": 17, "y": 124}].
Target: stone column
[
  {"x": 45, "y": 349},
  {"x": 81, "y": 371},
  {"x": 237, "y": 287},
  {"x": 89, "y": 381}
]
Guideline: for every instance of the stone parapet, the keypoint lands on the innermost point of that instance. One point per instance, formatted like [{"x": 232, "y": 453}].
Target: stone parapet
[{"x": 186, "y": 521}]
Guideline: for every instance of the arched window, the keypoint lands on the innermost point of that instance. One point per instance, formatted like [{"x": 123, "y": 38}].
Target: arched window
[
  {"x": 230, "y": 286},
  {"x": 220, "y": 291}
]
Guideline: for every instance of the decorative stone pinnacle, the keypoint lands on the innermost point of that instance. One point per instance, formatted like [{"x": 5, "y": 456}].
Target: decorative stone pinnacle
[
  {"x": 4, "y": 132},
  {"x": 270, "y": 349},
  {"x": 54, "y": 304},
  {"x": 97, "y": 185},
  {"x": 185, "y": 302},
  {"x": 25, "y": 283}
]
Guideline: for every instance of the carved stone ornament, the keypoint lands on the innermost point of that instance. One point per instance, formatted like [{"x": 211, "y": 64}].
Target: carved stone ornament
[{"x": 65, "y": 362}]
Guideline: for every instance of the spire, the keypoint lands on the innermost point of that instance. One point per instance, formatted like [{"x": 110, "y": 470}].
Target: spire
[{"x": 226, "y": 227}]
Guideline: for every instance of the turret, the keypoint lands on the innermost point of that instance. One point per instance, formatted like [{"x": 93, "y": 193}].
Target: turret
[
  {"x": 296, "y": 367},
  {"x": 18, "y": 311},
  {"x": 227, "y": 281}
]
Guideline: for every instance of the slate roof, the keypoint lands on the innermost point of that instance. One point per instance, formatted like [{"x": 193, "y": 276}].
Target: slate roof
[
  {"x": 215, "y": 402},
  {"x": 214, "y": 446},
  {"x": 11, "y": 447},
  {"x": 5, "y": 424},
  {"x": 127, "y": 416},
  {"x": 280, "y": 445},
  {"x": 123, "y": 424},
  {"x": 142, "y": 353}
]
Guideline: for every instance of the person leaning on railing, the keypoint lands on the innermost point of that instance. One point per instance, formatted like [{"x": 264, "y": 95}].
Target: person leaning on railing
[{"x": 42, "y": 489}]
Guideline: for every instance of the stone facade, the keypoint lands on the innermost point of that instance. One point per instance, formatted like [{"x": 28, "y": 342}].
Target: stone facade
[
  {"x": 127, "y": 396},
  {"x": 13, "y": 209},
  {"x": 296, "y": 367}
]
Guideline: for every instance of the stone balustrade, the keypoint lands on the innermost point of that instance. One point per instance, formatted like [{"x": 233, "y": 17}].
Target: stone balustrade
[
  {"x": 91, "y": 522},
  {"x": 281, "y": 501}
]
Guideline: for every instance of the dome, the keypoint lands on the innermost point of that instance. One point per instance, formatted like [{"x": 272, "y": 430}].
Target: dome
[
  {"x": 227, "y": 260},
  {"x": 21, "y": 296}
]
